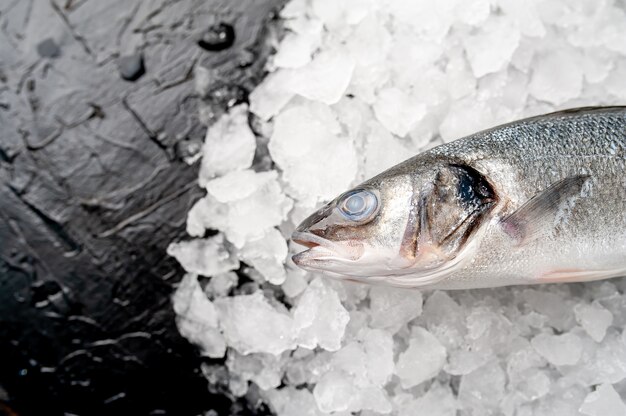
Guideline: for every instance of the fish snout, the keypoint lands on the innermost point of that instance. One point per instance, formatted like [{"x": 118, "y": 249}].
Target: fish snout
[{"x": 312, "y": 223}]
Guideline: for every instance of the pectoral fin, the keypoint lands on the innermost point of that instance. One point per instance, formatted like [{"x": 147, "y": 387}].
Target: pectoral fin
[{"x": 539, "y": 215}]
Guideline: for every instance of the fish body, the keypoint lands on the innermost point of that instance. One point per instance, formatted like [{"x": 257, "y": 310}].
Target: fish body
[{"x": 540, "y": 200}]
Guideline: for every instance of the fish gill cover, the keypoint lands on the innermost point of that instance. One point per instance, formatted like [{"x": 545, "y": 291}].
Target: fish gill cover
[{"x": 353, "y": 88}]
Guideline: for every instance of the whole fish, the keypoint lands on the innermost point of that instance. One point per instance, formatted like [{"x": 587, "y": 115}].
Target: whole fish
[{"x": 539, "y": 200}]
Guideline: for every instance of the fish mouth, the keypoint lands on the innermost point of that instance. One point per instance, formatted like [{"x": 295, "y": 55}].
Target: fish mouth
[
  {"x": 321, "y": 251},
  {"x": 318, "y": 248}
]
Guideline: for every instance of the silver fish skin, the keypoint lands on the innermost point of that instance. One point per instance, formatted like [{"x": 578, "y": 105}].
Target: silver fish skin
[{"x": 540, "y": 200}]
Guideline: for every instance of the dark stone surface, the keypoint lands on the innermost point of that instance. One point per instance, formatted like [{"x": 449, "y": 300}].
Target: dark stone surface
[{"x": 92, "y": 190}]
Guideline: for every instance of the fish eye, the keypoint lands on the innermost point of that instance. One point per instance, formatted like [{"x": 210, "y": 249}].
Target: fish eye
[{"x": 358, "y": 205}]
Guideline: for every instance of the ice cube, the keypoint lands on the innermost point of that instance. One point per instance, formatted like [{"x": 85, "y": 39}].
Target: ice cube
[
  {"x": 221, "y": 284},
  {"x": 267, "y": 255},
  {"x": 615, "y": 84},
  {"x": 534, "y": 384},
  {"x": 265, "y": 370},
  {"x": 237, "y": 386},
  {"x": 378, "y": 346},
  {"x": 438, "y": 401},
  {"x": 460, "y": 80},
  {"x": 330, "y": 12},
  {"x": 604, "y": 401},
  {"x": 525, "y": 15},
  {"x": 324, "y": 79},
  {"x": 481, "y": 391},
  {"x": 473, "y": 12},
  {"x": 197, "y": 318},
  {"x": 522, "y": 358},
  {"x": 295, "y": 281},
  {"x": 229, "y": 145},
  {"x": 269, "y": 97},
  {"x": 564, "y": 349},
  {"x": 206, "y": 213},
  {"x": 307, "y": 366},
  {"x": 295, "y": 49},
  {"x": 488, "y": 333},
  {"x": 558, "y": 310},
  {"x": 594, "y": 319},
  {"x": 466, "y": 116},
  {"x": 238, "y": 185},
  {"x": 600, "y": 363},
  {"x": 604, "y": 30},
  {"x": 369, "y": 43},
  {"x": 366, "y": 80},
  {"x": 560, "y": 402},
  {"x": 523, "y": 56},
  {"x": 303, "y": 136},
  {"x": 294, "y": 9},
  {"x": 423, "y": 359},
  {"x": 382, "y": 150},
  {"x": 398, "y": 110},
  {"x": 190, "y": 302},
  {"x": 319, "y": 317},
  {"x": 204, "y": 256},
  {"x": 490, "y": 49},
  {"x": 550, "y": 81},
  {"x": 597, "y": 64},
  {"x": 374, "y": 399},
  {"x": 391, "y": 308},
  {"x": 253, "y": 203},
  {"x": 561, "y": 13},
  {"x": 335, "y": 392},
  {"x": 290, "y": 401},
  {"x": 435, "y": 17},
  {"x": 250, "y": 324},
  {"x": 351, "y": 359},
  {"x": 464, "y": 359},
  {"x": 445, "y": 319},
  {"x": 336, "y": 14}
]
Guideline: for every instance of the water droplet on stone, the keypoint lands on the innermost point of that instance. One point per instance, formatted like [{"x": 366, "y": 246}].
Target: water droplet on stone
[
  {"x": 217, "y": 38},
  {"x": 48, "y": 48},
  {"x": 131, "y": 67}
]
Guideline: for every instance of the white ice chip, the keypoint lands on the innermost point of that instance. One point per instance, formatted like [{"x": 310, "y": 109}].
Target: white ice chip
[
  {"x": 206, "y": 257},
  {"x": 319, "y": 318},
  {"x": 229, "y": 145},
  {"x": 251, "y": 324},
  {"x": 197, "y": 317},
  {"x": 422, "y": 360}
]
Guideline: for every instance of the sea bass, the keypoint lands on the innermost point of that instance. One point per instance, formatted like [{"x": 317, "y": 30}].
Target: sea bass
[{"x": 540, "y": 200}]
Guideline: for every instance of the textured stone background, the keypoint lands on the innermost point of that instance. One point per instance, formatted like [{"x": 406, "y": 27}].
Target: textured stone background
[{"x": 93, "y": 188}]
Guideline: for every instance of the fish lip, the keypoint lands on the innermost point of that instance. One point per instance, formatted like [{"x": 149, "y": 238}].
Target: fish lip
[
  {"x": 322, "y": 250},
  {"x": 318, "y": 247},
  {"x": 309, "y": 240}
]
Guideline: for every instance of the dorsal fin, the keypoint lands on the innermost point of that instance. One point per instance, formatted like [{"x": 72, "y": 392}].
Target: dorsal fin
[{"x": 538, "y": 215}]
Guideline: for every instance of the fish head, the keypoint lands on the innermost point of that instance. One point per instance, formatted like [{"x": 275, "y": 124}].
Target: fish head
[{"x": 405, "y": 227}]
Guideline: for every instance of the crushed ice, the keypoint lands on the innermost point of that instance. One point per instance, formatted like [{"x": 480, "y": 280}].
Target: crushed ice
[{"x": 355, "y": 87}]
